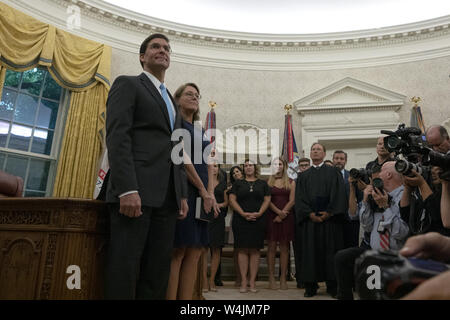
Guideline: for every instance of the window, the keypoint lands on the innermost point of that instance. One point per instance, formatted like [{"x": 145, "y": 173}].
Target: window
[{"x": 32, "y": 112}]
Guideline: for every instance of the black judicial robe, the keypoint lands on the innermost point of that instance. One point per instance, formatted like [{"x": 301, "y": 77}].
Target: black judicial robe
[{"x": 320, "y": 189}]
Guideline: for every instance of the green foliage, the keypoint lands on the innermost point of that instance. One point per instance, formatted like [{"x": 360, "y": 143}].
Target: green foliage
[
  {"x": 52, "y": 90},
  {"x": 12, "y": 78},
  {"x": 32, "y": 81}
]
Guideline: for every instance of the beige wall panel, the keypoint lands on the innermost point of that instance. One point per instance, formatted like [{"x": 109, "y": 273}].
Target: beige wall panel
[{"x": 258, "y": 97}]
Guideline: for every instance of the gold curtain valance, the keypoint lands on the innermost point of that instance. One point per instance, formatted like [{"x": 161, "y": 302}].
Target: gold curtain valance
[{"x": 75, "y": 63}]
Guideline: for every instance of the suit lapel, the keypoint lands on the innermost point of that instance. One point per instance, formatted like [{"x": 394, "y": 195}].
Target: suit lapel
[
  {"x": 177, "y": 123},
  {"x": 155, "y": 93}
]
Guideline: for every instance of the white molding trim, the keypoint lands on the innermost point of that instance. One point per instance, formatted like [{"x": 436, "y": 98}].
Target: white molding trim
[
  {"x": 123, "y": 29},
  {"x": 446, "y": 124},
  {"x": 368, "y": 98},
  {"x": 363, "y": 110}
]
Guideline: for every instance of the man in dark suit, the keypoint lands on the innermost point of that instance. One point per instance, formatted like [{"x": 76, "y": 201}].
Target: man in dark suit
[
  {"x": 146, "y": 191},
  {"x": 351, "y": 226}
]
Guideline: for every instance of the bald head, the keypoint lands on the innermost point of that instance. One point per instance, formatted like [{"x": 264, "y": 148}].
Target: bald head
[
  {"x": 390, "y": 167},
  {"x": 391, "y": 178},
  {"x": 438, "y": 139}
]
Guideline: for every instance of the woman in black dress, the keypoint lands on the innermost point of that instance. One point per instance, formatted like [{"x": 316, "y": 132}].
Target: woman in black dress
[
  {"x": 216, "y": 228},
  {"x": 249, "y": 199},
  {"x": 236, "y": 173}
]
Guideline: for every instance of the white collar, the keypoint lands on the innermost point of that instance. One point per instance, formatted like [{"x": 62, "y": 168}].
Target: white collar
[
  {"x": 318, "y": 166},
  {"x": 153, "y": 79}
]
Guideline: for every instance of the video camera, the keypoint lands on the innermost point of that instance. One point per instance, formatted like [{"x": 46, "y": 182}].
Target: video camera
[
  {"x": 407, "y": 141},
  {"x": 385, "y": 275},
  {"x": 440, "y": 160},
  {"x": 418, "y": 156}
]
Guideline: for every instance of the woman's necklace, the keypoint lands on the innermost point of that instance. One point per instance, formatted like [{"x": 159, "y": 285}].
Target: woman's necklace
[{"x": 251, "y": 185}]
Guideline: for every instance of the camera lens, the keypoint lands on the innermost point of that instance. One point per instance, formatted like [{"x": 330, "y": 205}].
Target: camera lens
[
  {"x": 378, "y": 183},
  {"x": 393, "y": 142},
  {"x": 401, "y": 166},
  {"x": 354, "y": 173}
]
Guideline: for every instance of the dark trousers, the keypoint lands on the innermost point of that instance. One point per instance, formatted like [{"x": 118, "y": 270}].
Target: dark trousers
[
  {"x": 297, "y": 254},
  {"x": 331, "y": 286},
  {"x": 351, "y": 233},
  {"x": 140, "y": 251},
  {"x": 344, "y": 261}
]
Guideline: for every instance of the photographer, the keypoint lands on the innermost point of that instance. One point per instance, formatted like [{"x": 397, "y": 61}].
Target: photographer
[
  {"x": 389, "y": 219},
  {"x": 356, "y": 186},
  {"x": 445, "y": 204},
  {"x": 358, "y": 180},
  {"x": 420, "y": 204},
  {"x": 430, "y": 246},
  {"x": 383, "y": 155},
  {"x": 351, "y": 221},
  {"x": 382, "y": 219},
  {"x": 438, "y": 139}
]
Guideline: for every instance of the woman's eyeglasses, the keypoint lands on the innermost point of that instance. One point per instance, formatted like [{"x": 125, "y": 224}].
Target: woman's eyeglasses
[{"x": 193, "y": 95}]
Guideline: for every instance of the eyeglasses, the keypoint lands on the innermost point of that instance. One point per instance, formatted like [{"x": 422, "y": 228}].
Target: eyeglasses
[
  {"x": 193, "y": 95},
  {"x": 157, "y": 46}
]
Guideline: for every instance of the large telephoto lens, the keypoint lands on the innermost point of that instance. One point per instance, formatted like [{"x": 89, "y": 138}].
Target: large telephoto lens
[
  {"x": 402, "y": 166},
  {"x": 440, "y": 159},
  {"x": 405, "y": 168}
]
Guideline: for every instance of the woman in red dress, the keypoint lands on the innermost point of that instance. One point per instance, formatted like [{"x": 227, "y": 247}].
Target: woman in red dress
[{"x": 280, "y": 220}]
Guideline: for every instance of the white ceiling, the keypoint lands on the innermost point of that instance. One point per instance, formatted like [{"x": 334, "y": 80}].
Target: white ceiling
[{"x": 289, "y": 16}]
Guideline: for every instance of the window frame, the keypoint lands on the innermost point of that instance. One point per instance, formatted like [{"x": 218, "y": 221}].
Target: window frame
[{"x": 58, "y": 133}]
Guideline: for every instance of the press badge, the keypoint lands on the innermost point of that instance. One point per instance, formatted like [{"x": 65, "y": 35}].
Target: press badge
[{"x": 380, "y": 227}]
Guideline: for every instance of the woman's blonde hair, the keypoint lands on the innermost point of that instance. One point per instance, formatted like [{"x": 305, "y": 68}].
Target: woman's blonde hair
[{"x": 284, "y": 177}]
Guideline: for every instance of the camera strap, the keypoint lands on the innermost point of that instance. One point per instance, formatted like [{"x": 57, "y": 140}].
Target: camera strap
[{"x": 419, "y": 220}]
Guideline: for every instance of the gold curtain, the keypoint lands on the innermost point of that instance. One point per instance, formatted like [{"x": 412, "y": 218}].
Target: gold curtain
[
  {"x": 82, "y": 127},
  {"x": 79, "y": 65},
  {"x": 2, "y": 79}
]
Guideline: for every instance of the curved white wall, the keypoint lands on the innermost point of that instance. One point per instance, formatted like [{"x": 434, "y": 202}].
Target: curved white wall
[{"x": 252, "y": 77}]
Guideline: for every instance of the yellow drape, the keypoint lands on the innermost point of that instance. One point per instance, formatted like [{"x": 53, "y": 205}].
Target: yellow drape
[
  {"x": 79, "y": 65},
  {"x": 2, "y": 79},
  {"x": 83, "y": 127}
]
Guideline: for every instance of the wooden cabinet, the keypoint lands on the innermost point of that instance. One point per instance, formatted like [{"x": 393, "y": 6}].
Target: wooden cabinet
[{"x": 41, "y": 237}]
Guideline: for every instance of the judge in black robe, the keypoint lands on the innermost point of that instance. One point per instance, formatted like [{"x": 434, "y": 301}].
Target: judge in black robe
[{"x": 320, "y": 205}]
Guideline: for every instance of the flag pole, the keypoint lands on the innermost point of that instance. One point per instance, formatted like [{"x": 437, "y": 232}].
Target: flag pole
[
  {"x": 416, "y": 115},
  {"x": 211, "y": 124}
]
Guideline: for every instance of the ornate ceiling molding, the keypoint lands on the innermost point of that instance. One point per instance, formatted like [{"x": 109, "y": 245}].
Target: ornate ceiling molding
[
  {"x": 124, "y": 29},
  {"x": 263, "y": 42}
]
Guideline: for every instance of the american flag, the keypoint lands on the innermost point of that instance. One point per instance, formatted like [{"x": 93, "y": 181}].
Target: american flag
[{"x": 290, "y": 153}]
